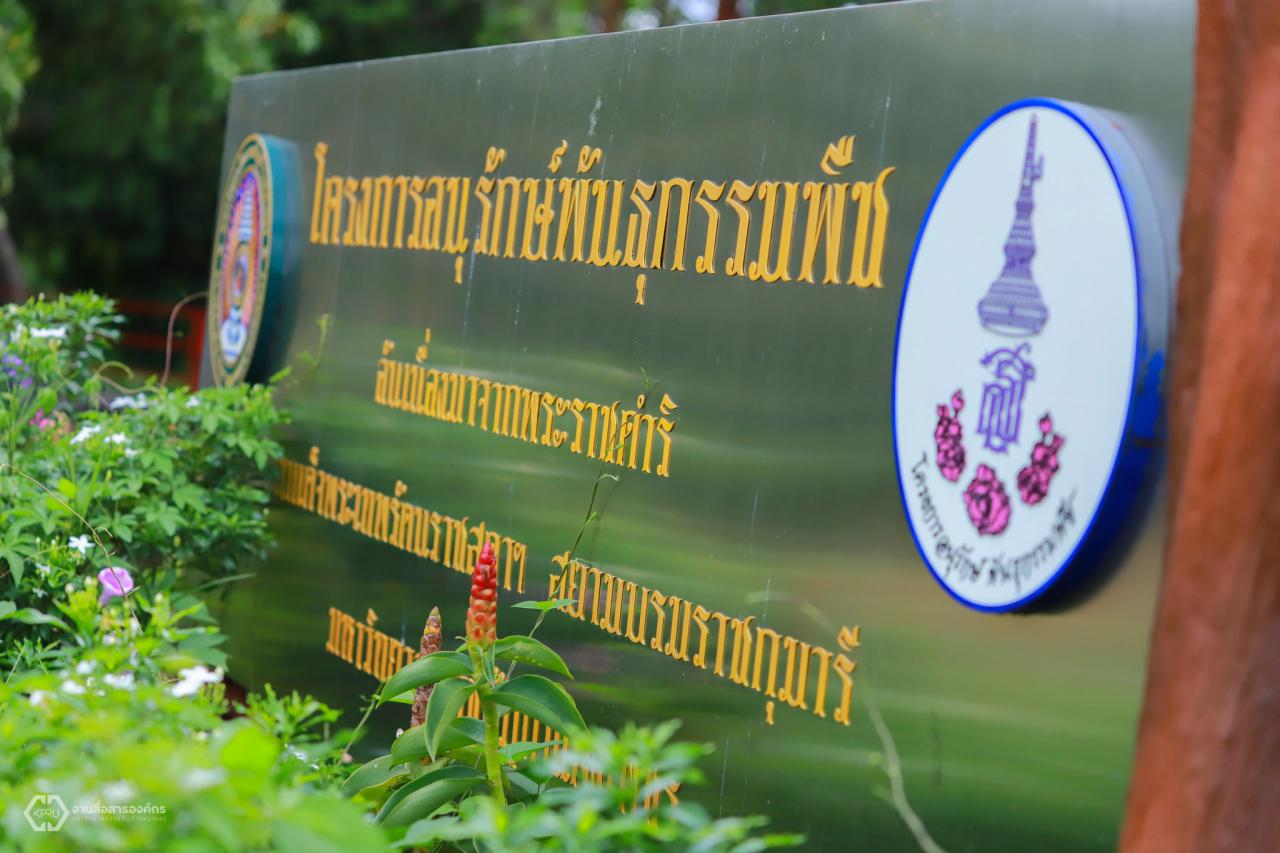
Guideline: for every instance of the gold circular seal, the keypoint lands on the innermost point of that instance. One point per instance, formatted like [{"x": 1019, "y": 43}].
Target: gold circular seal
[{"x": 241, "y": 269}]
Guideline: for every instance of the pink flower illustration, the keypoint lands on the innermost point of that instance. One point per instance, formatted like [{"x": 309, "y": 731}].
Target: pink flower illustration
[
  {"x": 1034, "y": 479},
  {"x": 987, "y": 502},
  {"x": 949, "y": 438}
]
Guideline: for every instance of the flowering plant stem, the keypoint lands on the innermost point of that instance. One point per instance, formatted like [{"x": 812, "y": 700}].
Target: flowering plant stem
[{"x": 489, "y": 710}]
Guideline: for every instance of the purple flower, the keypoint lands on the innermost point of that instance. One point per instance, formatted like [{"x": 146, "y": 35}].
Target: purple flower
[{"x": 116, "y": 583}]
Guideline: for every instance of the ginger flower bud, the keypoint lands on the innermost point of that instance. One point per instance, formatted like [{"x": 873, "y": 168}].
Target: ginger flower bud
[
  {"x": 430, "y": 644},
  {"x": 482, "y": 615}
]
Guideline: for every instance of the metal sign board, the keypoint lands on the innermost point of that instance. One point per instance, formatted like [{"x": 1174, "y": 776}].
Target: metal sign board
[{"x": 659, "y": 279}]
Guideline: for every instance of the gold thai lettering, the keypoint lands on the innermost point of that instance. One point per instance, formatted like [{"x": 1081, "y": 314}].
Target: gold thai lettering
[
  {"x": 452, "y": 543},
  {"x": 748, "y": 654},
  {"x": 624, "y": 436},
  {"x": 639, "y": 223}
]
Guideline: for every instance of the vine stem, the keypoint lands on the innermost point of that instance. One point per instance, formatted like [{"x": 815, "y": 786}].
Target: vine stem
[{"x": 355, "y": 733}]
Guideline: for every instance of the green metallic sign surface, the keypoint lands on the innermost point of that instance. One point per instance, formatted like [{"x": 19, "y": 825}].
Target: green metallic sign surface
[{"x": 521, "y": 269}]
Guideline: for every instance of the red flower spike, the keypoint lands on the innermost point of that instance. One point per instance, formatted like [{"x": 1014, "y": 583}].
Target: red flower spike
[{"x": 482, "y": 615}]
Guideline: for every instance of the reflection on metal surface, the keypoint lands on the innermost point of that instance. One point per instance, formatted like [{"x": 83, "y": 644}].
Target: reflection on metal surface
[{"x": 893, "y": 769}]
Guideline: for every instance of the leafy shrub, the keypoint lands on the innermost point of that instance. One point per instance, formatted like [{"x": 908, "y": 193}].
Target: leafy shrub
[
  {"x": 112, "y": 513},
  {"x": 429, "y": 791},
  {"x": 162, "y": 480},
  {"x": 122, "y": 719}
]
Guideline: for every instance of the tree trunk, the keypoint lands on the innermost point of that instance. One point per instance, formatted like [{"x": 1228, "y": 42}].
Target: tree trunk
[
  {"x": 611, "y": 12},
  {"x": 12, "y": 286},
  {"x": 1209, "y": 739}
]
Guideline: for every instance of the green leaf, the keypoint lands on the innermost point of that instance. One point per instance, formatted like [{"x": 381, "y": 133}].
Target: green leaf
[
  {"x": 410, "y": 745},
  {"x": 544, "y": 606},
  {"x": 248, "y": 756},
  {"x": 446, "y": 701},
  {"x": 427, "y": 793},
  {"x": 55, "y": 504},
  {"x": 424, "y": 801},
  {"x": 542, "y": 699},
  {"x": 523, "y": 649},
  {"x": 67, "y": 488},
  {"x": 373, "y": 796},
  {"x": 462, "y": 732},
  {"x": 426, "y": 670},
  {"x": 405, "y": 698},
  {"x": 374, "y": 772},
  {"x": 16, "y": 564},
  {"x": 27, "y": 616},
  {"x": 7, "y": 607},
  {"x": 513, "y": 752}
]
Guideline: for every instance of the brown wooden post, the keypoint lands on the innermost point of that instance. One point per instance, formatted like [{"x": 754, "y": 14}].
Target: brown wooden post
[{"x": 1209, "y": 740}]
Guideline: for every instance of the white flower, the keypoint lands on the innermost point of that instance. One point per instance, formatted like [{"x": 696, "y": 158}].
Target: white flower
[
  {"x": 109, "y": 640},
  {"x": 117, "y": 438},
  {"x": 120, "y": 681},
  {"x": 80, "y": 543},
  {"x": 193, "y": 401},
  {"x": 129, "y": 453},
  {"x": 38, "y": 593},
  {"x": 199, "y": 778},
  {"x": 38, "y": 698},
  {"x": 128, "y": 402},
  {"x": 43, "y": 569},
  {"x": 117, "y": 792},
  {"x": 59, "y": 332},
  {"x": 193, "y": 678},
  {"x": 84, "y": 667},
  {"x": 86, "y": 432},
  {"x": 71, "y": 688}
]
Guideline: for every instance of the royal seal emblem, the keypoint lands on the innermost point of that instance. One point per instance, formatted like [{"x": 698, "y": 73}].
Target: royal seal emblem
[
  {"x": 248, "y": 257},
  {"x": 1026, "y": 357}
]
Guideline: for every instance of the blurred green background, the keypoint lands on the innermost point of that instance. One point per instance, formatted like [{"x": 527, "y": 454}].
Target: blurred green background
[{"x": 112, "y": 114}]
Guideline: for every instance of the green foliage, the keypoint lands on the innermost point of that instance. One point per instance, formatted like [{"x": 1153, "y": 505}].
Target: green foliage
[
  {"x": 429, "y": 793},
  {"x": 103, "y": 724},
  {"x": 62, "y": 343},
  {"x": 112, "y": 698},
  {"x": 507, "y": 21},
  {"x": 293, "y": 719},
  {"x": 638, "y": 765},
  {"x": 374, "y": 29},
  {"x": 117, "y": 152},
  {"x": 161, "y": 481},
  {"x": 17, "y": 63}
]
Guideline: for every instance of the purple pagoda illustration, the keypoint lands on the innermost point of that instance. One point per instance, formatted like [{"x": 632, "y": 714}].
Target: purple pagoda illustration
[{"x": 1013, "y": 305}]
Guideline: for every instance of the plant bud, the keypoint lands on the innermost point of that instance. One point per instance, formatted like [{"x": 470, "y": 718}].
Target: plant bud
[
  {"x": 431, "y": 638},
  {"x": 482, "y": 615}
]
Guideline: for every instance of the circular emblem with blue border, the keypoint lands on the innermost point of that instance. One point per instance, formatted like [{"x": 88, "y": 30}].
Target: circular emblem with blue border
[
  {"x": 248, "y": 257},
  {"x": 1029, "y": 354}
]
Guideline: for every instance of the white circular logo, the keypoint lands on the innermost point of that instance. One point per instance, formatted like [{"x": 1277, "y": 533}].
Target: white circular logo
[{"x": 1019, "y": 345}]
